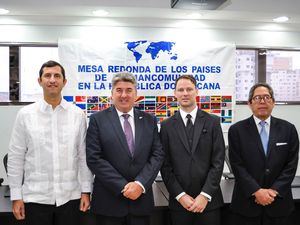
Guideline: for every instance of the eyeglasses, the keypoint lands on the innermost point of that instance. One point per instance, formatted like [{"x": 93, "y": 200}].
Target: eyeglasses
[{"x": 258, "y": 98}]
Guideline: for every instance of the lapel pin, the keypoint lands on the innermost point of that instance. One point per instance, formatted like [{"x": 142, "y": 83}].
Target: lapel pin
[{"x": 140, "y": 117}]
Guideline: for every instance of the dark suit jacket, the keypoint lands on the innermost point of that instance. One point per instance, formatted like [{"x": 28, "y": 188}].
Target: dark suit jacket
[
  {"x": 108, "y": 157},
  {"x": 196, "y": 170},
  {"x": 253, "y": 170}
]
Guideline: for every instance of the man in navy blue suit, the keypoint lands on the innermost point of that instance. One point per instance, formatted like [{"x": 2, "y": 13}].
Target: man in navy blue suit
[
  {"x": 125, "y": 154},
  {"x": 263, "y": 152}
]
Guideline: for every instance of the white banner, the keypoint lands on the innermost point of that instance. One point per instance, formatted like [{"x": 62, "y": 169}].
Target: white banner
[{"x": 90, "y": 66}]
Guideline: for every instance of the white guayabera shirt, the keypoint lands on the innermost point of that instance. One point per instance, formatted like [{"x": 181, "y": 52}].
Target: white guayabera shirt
[{"x": 47, "y": 158}]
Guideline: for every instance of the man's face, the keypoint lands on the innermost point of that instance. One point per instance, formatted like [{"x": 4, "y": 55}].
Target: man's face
[
  {"x": 52, "y": 81},
  {"x": 186, "y": 93},
  {"x": 262, "y": 104},
  {"x": 123, "y": 96}
]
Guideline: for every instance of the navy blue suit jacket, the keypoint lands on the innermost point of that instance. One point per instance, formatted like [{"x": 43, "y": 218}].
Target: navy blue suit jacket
[
  {"x": 108, "y": 157},
  {"x": 254, "y": 170}
]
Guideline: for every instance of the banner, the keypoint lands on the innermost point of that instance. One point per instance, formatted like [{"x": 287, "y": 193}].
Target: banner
[{"x": 90, "y": 66}]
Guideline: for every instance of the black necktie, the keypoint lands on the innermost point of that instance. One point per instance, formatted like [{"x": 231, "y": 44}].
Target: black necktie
[{"x": 189, "y": 130}]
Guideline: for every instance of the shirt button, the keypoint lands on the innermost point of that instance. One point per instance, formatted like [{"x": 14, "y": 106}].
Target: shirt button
[{"x": 267, "y": 171}]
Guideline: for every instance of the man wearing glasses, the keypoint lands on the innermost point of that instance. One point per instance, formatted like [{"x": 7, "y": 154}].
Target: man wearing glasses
[{"x": 263, "y": 152}]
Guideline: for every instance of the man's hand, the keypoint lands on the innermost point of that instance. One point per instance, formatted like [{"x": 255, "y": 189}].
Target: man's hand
[
  {"x": 18, "y": 209},
  {"x": 84, "y": 202},
  {"x": 265, "y": 196},
  {"x": 132, "y": 190},
  {"x": 186, "y": 201},
  {"x": 199, "y": 205},
  {"x": 273, "y": 193}
]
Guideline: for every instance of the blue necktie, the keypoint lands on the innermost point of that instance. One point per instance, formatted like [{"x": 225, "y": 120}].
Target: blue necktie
[
  {"x": 128, "y": 133},
  {"x": 264, "y": 136}
]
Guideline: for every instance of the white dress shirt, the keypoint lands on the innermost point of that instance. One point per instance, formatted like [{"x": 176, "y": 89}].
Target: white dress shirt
[
  {"x": 183, "y": 115},
  {"x": 130, "y": 120},
  {"x": 193, "y": 114},
  {"x": 47, "y": 150},
  {"x": 267, "y": 124}
]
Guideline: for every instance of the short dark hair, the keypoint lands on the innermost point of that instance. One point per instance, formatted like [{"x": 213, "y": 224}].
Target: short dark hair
[
  {"x": 52, "y": 63},
  {"x": 188, "y": 77},
  {"x": 123, "y": 76},
  {"x": 257, "y": 85}
]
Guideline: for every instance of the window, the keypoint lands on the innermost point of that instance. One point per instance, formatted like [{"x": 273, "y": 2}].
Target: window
[
  {"x": 245, "y": 72},
  {"x": 4, "y": 73},
  {"x": 31, "y": 60},
  {"x": 20, "y": 64},
  {"x": 283, "y": 74}
]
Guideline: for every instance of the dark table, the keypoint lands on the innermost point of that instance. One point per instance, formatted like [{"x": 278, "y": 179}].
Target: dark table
[
  {"x": 227, "y": 188},
  {"x": 160, "y": 214},
  {"x": 5, "y": 203}
]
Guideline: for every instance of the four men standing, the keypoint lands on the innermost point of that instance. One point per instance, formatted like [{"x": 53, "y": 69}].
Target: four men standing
[{"x": 50, "y": 181}]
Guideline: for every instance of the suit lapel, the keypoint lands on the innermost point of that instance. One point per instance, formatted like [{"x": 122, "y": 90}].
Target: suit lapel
[
  {"x": 138, "y": 123},
  {"x": 180, "y": 129},
  {"x": 115, "y": 121},
  {"x": 272, "y": 136},
  {"x": 198, "y": 127},
  {"x": 255, "y": 135}
]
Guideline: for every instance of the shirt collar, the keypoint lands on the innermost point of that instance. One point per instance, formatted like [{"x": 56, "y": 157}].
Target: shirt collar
[
  {"x": 64, "y": 104},
  {"x": 46, "y": 106},
  {"x": 193, "y": 113},
  {"x": 121, "y": 113},
  {"x": 257, "y": 120}
]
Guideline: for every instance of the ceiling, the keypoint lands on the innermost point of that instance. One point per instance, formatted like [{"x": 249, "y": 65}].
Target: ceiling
[{"x": 237, "y": 14}]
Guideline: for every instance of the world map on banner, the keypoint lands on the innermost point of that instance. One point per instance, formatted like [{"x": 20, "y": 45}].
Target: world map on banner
[
  {"x": 155, "y": 64},
  {"x": 139, "y": 48},
  {"x": 161, "y": 107}
]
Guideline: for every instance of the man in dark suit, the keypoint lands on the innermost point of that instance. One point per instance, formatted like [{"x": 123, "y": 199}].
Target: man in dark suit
[
  {"x": 263, "y": 152},
  {"x": 125, "y": 154},
  {"x": 193, "y": 143}
]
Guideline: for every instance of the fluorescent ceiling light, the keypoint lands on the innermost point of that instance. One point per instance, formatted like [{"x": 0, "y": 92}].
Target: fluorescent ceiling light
[
  {"x": 200, "y": 4},
  {"x": 194, "y": 16},
  {"x": 3, "y": 11},
  {"x": 100, "y": 12},
  {"x": 281, "y": 19}
]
